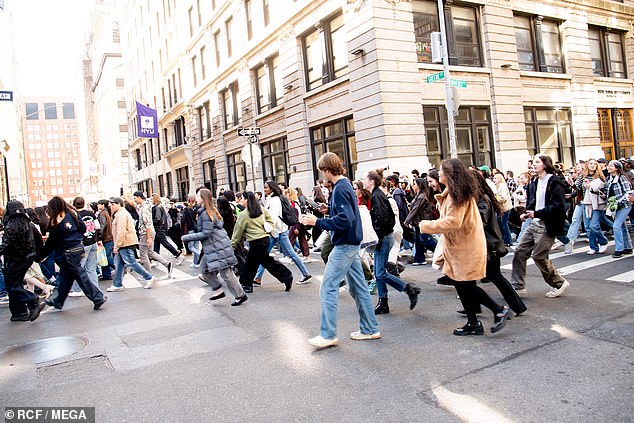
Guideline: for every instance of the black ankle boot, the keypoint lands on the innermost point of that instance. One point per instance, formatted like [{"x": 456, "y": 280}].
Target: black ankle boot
[
  {"x": 470, "y": 329},
  {"x": 412, "y": 292},
  {"x": 382, "y": 307}
]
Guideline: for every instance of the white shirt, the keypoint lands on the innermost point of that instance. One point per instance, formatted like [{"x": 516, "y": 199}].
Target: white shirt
[{"x": 540, "y": 194}]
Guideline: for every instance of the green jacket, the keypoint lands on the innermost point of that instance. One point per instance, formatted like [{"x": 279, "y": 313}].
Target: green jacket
[{"x": 252, "y": 228}]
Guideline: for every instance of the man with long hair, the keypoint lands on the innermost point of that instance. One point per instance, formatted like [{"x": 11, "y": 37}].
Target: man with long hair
[
  {"x": 545, "y": 204},
  {"x": 344, "y": 225}
]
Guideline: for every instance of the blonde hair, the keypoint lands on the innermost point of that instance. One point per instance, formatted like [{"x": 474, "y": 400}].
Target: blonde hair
[
  {"x": 210, "y": 206},
  {"x": 597, "y": 172},
  {"x": 292, "y": 194}
]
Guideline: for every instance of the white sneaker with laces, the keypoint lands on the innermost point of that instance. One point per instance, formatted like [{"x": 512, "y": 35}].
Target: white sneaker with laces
[
  {"x": 591, "y": 252},
  {"x": 319, "y": 342},
  {"x": 556, "y": 244},
  {"x": 569, "y": 247},
  {"x": 285, "y": 260},
  {"x": 149, "y": 283},
  {"x": 360, "y": 336},
  {"x": 76, "y": 294},
  {"x": 603, "y": 248},
  {"x": 556, "y": 292},
  {"x": 115, "y": 288}
]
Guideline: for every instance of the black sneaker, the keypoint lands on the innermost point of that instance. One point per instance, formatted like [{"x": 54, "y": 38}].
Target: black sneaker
[
  {"x": 98, "y": 304},
  {"x": 618, "y": 254},
  {"x": 170, "y": 267},
  {"x": 240, "y": 300},
  {"x": 34, "y": 312},
  {"x": 304, "y": 280},
  {"x": 52, "y": 303},
  {"x": 627, "y": 251},
  {"x": 20, "y": 318},
  {"x": 247, "y": 289}
]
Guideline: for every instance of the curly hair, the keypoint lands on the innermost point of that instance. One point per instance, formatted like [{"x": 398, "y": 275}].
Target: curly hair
[
  {"x": 485, "y": 190},
  {"x": 461, "y": 184}
]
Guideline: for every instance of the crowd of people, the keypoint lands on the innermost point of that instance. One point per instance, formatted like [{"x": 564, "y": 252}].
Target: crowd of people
[{"x": 460, "y": 220}]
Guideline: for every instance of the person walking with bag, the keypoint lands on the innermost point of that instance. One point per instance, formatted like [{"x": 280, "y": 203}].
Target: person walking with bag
[
  {"x": 218, "y": 257},
  {"x": 464, "y": 254},
  {"x": 105, "y": 221},
  {"x": 147, "y": 234},
  {"x": 423, "y": 208},
  {"x": 617, "y": 187},
  {"x": 159, "y": 219}
]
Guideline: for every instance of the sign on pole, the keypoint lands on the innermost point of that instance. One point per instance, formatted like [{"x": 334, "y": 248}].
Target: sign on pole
[
  {"x": 6, "y": 95},
  {"x": 458, "y": 83},
  {"x": 248, "y": 132},
  {"x": 435, "y": 77}
]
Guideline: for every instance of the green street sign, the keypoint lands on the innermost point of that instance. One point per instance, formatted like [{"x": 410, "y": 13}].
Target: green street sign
[
  {"x": 458, "y": 83},
  {"x": 435, "y": 77}
]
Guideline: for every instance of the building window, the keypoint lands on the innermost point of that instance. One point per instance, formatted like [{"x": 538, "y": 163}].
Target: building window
[
  {"x": 137, "y": 155},
  {"x": 210, "y": 176},
  {"x": 463, "y": 36},
  {"x": 265, "y": 10},
  {"x": 325, "y": 53},
  {"x": 119, "y": 82},
  {"x": 617, "y": 136},
  {"x": 190, "y": 14},
  {"x": 200, "y": 17},
  {"x": 230, "y": 110},
  {"x": 269, "y": 90},
  {"x": 248, "y": 4},
  {"x": 337, "y": 137},
  {"x": 194, "y": 70},
  {"x": 116, "y": 36},
  {"x": 168, "y": 182},
  {"x": 50, "y": 111},
  {"x": 68, "y": 110},
  {"x": 228, "y": 24},
  {"x": 182, "y": 182},
  {"x": 161, "y": 186},
  {"x": 237, "y": 172},
  {"x": 32, "y": 111},
  {"x": 275, "y": 161},
  {"x": 473, "y": 136},
  {"x": 538, "y": 44},
  {"x": 548, "y": 131},
  {"x": 606, "y": 51},
  {"x": 202, "y": 63},
  {"x": 217, "y": 47}
]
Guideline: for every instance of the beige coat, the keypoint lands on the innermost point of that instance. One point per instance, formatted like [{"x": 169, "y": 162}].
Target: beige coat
[
  {"x": 464, "y": 249},
  {"x": 123, "y": 231}
]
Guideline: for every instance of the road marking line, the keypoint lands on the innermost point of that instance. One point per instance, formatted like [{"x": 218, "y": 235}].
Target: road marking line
[
  {"x": 577, "y": 267},
  {"x": 623, "y": 277},
  {"x": 583, "y": 249}
]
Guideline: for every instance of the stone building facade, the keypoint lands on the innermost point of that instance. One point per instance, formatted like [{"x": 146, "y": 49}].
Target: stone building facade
[{"x": 350, "y": 77}]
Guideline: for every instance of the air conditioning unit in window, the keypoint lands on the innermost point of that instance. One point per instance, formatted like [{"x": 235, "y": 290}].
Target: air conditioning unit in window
[{"x": 436, "y": 47}]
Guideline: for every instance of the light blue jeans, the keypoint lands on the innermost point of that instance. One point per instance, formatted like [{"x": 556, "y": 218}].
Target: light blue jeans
[
  {"x": 523, "y": 229},
  {"x": 89, "y": 262},
  {"x": 621, "y": 234},
  {"x": 593, "y": 228},
  {"x": 575, "y": 223},
  {"x": 286, "y": 249},
  {"x": 125, "y": 257},
  {"x": 383, "y": 278},
  {"x": 344, "y": 261},
  {"x": 193, "y": 247}
]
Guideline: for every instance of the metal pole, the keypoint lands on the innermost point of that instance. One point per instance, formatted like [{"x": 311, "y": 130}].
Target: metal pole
[
  {"x": 448, "y": 94},
  {"x": 252, "y": 162},
  {"x": 6, "y": 176}
]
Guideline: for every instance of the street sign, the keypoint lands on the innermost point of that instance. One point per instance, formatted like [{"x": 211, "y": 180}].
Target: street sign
[
  {"x": 435, "y": 77},
  {"x": 248, "y": 132},
  {"x": 6, "y": 95},
  {"x": 253, "y": 139},
  {"x": 458, "y": 83}
]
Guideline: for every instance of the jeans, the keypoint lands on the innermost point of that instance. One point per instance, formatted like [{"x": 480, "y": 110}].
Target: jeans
[
  {"x": 344, "y": 260},
  {"x": 89, "y": 263},
  {"x": 106, "y": 271},
  {"x": 146, "y": 253},
  {"x": 423, "y": 241},
  {"x": 287, "y": 249},
  {"x": 3, "y": 288},
  {"x": 575, "y": 223},
  {"x": 523, "y": 229},
  {"x": 380, "y": 272},
  {"x": 125, "y": 257},
  {"x": 621, "y": 234},
  {"x": 161, "y": 239},
  {"x": 70, "y": 269},
  {"x": 193, "y": 247},
  {"x": 48, "y": 266},
  {"x": 20, "y": 300},
  {"x": 503, "y": 220},
  {"x": 593, "y": 227}
]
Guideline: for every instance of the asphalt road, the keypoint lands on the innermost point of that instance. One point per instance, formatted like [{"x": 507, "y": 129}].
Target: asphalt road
[{"x": 168, "y": 354}]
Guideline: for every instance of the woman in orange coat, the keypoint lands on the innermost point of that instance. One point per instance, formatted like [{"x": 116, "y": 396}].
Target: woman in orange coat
[{"x": 464, "y": 249}]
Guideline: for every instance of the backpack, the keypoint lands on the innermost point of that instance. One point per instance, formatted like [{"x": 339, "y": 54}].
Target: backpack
[
  {"x": 167, "y": 221},
  {"x": 288, "y": 212}
]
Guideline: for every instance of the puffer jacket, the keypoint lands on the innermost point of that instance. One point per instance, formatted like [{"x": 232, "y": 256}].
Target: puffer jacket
[{"x": 217, "y": 249}]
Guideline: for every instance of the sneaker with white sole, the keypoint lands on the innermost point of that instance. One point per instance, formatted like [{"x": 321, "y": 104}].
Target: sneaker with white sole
[
  {"x": 568, "y": 247},
  {"x": 76, "y": 294},
  {"x": 319, "y": 342},
  {"x": 360, "y": 336},
  {"x": 308, "y": 260},
  {"x": 556, "y": 244},
  {"x": 115, "y": 288},
  {"x": 591, "y": 252},
  {"x": 149, "y": 283},
  {"x": 519, "y": 290},
  {"x": 556, "y": 292},
  {"x": 603, "y": 248},
  {"x": 285, "y": 260},
  {"x": 305, "y": 279},
  {"x": 179, "y": 260}
]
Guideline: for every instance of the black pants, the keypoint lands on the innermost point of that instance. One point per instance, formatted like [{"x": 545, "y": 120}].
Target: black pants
[
  {"x": 504, "y": 286},
  {"x": 70, "y": 270},
  {"x": 471, "y": 296},
  {"x": 161, "y": 239},
  {"x": 20, "y": 300},
  {"x": 175, "y": 233},
  {"x": 259, "y": 255}
]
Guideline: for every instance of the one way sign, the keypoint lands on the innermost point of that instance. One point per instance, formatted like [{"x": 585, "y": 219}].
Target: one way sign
[
  {"x": 6, "y": 95},
  {"x": 248, "y": 132}
]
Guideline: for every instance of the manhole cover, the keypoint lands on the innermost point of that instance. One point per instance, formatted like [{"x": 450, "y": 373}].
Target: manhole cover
[{"x": 43, "y": 350}]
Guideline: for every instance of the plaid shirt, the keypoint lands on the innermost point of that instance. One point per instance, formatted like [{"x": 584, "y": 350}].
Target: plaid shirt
[
  {"x": 510, "y": 182},
  {"x": 618, "y": 186}
]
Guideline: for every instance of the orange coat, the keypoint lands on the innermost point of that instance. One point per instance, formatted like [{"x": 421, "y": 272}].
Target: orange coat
[{"x": 464, "y": 248}]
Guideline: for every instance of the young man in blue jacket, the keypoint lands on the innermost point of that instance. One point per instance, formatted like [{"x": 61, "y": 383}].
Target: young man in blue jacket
[{"x": 346, "y": 234}]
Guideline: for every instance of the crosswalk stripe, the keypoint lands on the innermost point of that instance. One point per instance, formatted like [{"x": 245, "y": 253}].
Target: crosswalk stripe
[
  {"x": 586, "y": 264},
  {"x": 579, "y": 250},
  {"x": 623, "y": 277},
  {"x": 129, "y": 281}
]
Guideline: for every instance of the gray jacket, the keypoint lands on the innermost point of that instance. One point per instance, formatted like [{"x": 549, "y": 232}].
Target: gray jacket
[{"x": 217, "y": 249}]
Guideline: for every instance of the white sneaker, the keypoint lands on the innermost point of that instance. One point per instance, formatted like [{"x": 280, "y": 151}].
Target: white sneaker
[
  {"x": 554, "y": 292},
  {"x": 285, "y": 260},
  {"x": 591, "y": 252},
  {"x": 115, "y": 288},
  {"x": 76, "y": 294},
  {"x": 149, "y": 283},
  {"x": 194, "y": 266},
  {"x": 308, "y": 260},
  {"x": 180, "y": 259},
  {"x": 359, "y": 336},
  {"x": 603, "y": 248},
  {"x": 568, "y": 247},
  {"x": 405, "y": 253},
  {"x": 556, "y": 244},
  {"x": 319, "y": 342}
]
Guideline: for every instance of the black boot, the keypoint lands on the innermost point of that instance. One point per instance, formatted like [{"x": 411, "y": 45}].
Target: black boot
[
  {"x": 382, "y": 307},
  {"x": 412, "y": 292}
]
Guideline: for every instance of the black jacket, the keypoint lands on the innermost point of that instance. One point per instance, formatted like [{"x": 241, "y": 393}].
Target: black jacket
[
  {"x": 554, "y": 213},
  {"x": 382, "y": 215},
  {"x": 422, "y": 209},
  {"x": 492, "y": 232}
]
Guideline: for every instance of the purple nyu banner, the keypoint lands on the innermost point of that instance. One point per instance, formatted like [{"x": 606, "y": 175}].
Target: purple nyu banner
[{"x": 147, "y": 121}]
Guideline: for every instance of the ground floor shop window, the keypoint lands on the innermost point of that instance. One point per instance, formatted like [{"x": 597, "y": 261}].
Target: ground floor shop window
[
  {"x": 337, "y": 137},
  {"x": 210, "y": 176},
  {"x": 615, "y": 129},
  {"x": 473, "y": 135},
  {"x": 549, "y": 132},
  {"x": 275, "y": 161},
  {"x": 237, "y": 172},
  {"x": 182, "y": 183}
]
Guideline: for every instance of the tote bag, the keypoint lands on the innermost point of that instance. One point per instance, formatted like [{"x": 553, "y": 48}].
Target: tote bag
[
  {"x": 102, "y": 257},
  {"x": 369, "y": 236}
]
